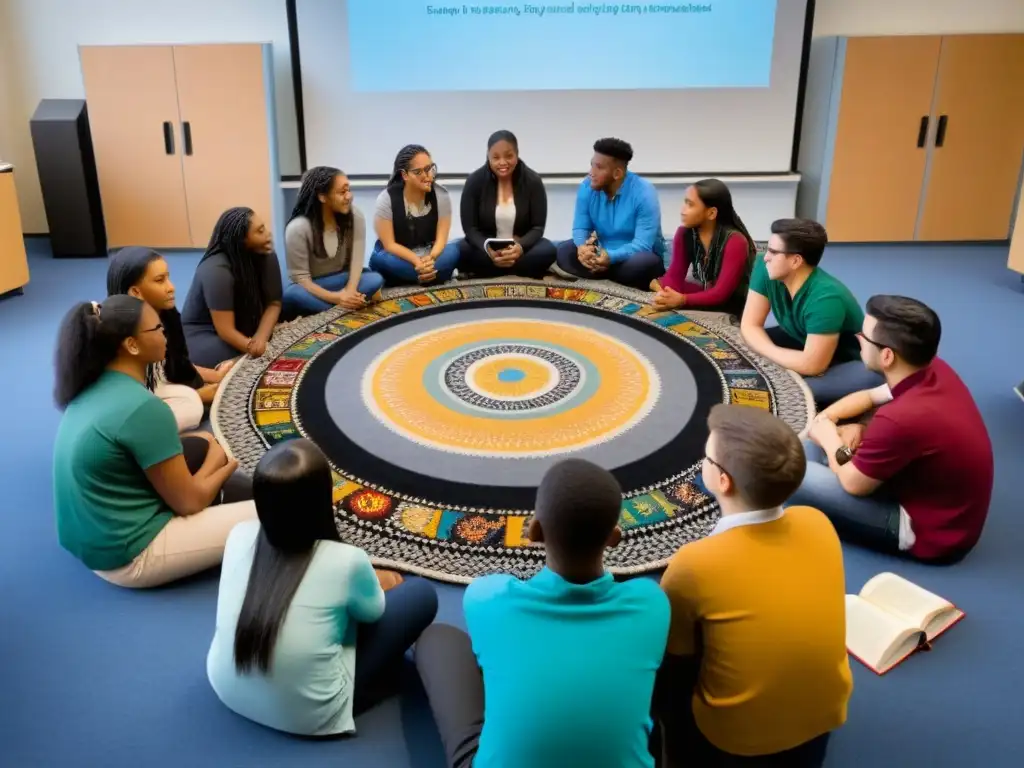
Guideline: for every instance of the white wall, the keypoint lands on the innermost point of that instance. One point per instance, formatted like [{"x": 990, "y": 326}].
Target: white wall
[
  {"x": 917, "y": 17},
  {"x": 39, "y": 42},
  {"x": 39, "y": 57}
]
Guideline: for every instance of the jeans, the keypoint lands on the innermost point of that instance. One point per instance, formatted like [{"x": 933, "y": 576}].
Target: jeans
[
  {"x": 455, "y": 690},
  {"x": 636, "y": 272},
  {"x": 870, "y": 521},
  {"x": 840, "y": 380},
  {"x": 534, "y": 262},
  {"x": 409, "y": 609},
  {"x": 298, "y": 302},
  {"x": 398, "y": 271}
]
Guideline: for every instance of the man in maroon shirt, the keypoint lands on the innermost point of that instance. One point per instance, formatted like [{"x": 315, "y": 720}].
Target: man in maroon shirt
[{"x": 918, "y": 478}]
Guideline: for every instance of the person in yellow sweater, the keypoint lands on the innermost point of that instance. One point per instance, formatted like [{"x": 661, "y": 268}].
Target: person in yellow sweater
[{"x": 756, "y": 665}]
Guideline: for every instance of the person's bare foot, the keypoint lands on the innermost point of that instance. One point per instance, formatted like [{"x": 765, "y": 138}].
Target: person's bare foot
[{"x": 388, "y": 579}]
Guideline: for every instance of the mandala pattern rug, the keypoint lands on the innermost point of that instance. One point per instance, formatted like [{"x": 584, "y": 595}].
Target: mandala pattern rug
[{"x": 440, "y": 410}]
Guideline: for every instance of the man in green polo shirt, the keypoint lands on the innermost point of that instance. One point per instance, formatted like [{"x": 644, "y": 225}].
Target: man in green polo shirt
[{"x": 818, "y": 318}]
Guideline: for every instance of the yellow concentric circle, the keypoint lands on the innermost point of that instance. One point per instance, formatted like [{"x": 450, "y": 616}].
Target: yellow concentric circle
[{"x": 399, "y": 389}]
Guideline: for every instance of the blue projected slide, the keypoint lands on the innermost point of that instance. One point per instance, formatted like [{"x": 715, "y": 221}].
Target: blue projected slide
[{"x": 411, "y": 45}]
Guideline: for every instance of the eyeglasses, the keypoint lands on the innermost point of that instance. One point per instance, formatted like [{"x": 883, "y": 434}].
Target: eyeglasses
[
  {"x": 154, "y": 329},
  {"x": 773, "y": 253},
  {"x": 715, "y": 464},
  {"x": 430, "y": 170},
  {"x": 872, "y": 341}
]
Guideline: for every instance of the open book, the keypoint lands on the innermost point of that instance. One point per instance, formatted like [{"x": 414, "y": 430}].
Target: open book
[{"x": 891, "y": 618}]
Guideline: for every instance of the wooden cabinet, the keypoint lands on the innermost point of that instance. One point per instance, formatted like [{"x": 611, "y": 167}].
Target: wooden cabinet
[
  {"x": 13, "y": 262},
  {"x": 914, "y": 137},
  {"x": 180, "y": 134}
]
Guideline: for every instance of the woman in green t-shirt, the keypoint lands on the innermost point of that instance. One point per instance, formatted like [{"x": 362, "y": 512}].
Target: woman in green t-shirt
[{"x": 134, "y": 502}]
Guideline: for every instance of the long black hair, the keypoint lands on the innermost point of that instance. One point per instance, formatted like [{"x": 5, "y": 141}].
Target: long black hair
[
  {"x": 89, "y": 339},
  {"x": 292, "y": 488},
  {"x": 706, "y": 265},
  {"x": 126, "y": 270},
  {"x": 404, "y": 159},
  {"x": 315, "y": 182},
  {"x": 228, "y": 237}
]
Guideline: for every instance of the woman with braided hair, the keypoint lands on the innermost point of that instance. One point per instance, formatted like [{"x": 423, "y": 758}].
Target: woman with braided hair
[
  {"x": 235, "y": 297},
  {"x": 714, "y": 241},
  {"x": 135, "y": 502},
  {"x": 413, "y": 217},
  {"x": 325, "y": 245},
  {"x": 185, "y": 387}
]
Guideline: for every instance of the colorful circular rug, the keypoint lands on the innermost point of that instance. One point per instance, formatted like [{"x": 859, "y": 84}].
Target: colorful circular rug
[{"x": 441, "y": 409}]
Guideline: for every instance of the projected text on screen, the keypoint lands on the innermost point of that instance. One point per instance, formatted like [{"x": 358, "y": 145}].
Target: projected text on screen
[{"x": 410, "y": 45}]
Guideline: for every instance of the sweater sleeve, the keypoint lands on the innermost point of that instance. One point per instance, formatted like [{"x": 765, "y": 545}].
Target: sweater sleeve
[
  {"x": 538, "y": 214},
  {"x": 297, "y": 236},
  {"x": 646, "y": 230},
  {"x": 734, "y": 262},
  {"x": 582, "y": 224},
  {"x": 469, "y": 212},
  {"x": 675, "y": 277}
]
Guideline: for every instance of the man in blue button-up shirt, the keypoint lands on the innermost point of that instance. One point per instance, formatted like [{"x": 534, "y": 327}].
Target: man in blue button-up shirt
[{"x": 616, "y": 230}]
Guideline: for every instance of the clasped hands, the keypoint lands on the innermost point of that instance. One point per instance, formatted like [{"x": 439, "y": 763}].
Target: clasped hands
[
  {"x": 350, "y": 298},
  {"x": 666, "y": 298},
  {"x": 592, "y": 256},
  {"x": 822, "y": 425},
  {"x": 506, "y": 257},
  {"x": 426, "y": 269}
]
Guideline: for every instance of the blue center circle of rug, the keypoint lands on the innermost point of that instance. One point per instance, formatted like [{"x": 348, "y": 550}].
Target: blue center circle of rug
[{"x": 441, "y": 409}]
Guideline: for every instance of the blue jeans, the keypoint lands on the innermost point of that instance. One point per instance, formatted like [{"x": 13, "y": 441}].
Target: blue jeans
[
  {"x": 409, "y": 609},
  {"x": 840, "y": 380},
  {"x": 398, "y": 271},
  {"x": 298, "y": 302},
  {"x": 870, "y": 521}
]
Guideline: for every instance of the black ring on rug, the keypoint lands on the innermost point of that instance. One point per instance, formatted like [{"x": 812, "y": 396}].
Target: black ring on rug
[{"x": 682, "y": 451}]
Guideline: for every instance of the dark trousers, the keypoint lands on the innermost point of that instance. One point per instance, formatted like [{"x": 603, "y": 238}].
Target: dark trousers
[
  {"x": 238, "y": 487},
  {"x": 534, "y": 262},
  {"x": 455, "y": 690},
  {"x": 838, "y": 381},
  {"x": 636, "y": 272},
  {"x": 677, "y": 742},
  {"x": 409, "y": 609}
]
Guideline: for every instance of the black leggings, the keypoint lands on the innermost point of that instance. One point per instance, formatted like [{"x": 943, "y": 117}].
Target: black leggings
[
  {"x": 534, "y": 262},
  {"x": 238, "y": 487}
]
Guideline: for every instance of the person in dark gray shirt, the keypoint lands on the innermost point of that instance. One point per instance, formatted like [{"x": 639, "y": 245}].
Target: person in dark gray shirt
[
  {"x": 235, "y": 297},
  {"x": 325, "y": 248}
]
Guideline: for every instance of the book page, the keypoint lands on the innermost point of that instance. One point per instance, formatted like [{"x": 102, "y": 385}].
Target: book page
[
  {"x": 872, "y": 634},
  {"x": 904, "y": 599}
]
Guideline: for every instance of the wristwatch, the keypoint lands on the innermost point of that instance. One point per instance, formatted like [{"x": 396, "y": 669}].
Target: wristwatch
[{"x": 843, "y": 454}]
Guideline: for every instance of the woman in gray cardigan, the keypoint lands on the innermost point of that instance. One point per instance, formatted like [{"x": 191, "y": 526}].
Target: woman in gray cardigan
[{"x": 325, "y": 245}]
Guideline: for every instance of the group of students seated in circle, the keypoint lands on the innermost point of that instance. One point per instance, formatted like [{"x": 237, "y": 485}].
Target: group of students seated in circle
[{"x": 719, "y": 666}]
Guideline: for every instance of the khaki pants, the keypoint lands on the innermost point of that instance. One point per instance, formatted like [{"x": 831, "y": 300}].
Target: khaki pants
[
  {"x": 184, "y": 403},
  {"x": 185, "y": 546}
]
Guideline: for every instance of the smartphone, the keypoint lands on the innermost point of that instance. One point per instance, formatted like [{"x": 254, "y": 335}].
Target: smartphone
[{"x": 498, "y": 244}]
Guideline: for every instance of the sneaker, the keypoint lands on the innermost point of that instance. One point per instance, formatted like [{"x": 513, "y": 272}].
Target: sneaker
[
  {"x": 1019, "y": 389},
  {"x": 563, "y": 274}
]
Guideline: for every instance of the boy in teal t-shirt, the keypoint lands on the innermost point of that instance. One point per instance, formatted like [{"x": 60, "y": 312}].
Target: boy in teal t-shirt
[
  {"x": 568, "y": 658},
  {"x": 818, "y": 317}
]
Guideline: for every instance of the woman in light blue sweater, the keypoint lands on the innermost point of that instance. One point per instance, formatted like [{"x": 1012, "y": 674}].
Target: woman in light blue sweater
[{"x": 297, "y": 607}]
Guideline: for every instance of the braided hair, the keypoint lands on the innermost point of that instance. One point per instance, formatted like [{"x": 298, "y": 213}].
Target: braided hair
[
  {"x": 404, "y": 159},
  {"x": 228, "y": 237},
  {"x": 315, "y": 182},
  {"x": 707, "y": 264},
  {"x": 126, "y": 270}
]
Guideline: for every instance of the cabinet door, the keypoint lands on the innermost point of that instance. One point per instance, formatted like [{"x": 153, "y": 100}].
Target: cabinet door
[
  {"x": 972, "y": 182},
  {"x": 223, "y": 99},
  {"x": 877, "y": 166},
  {"x": 133, "y": 111}
]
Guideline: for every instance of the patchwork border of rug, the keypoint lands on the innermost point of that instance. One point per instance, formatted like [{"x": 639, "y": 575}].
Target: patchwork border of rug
[{"x": 656, "y": 520}]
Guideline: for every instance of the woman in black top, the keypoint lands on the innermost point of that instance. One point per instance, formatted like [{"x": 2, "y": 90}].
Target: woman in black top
[
  {"x": 235, "y": 297},
  {"x": 504, "y": 200},
  {"x": 185, "y": 387}
]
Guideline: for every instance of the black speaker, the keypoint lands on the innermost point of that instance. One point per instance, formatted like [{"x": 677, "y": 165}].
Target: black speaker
[{"x": 67, "y": 175}]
